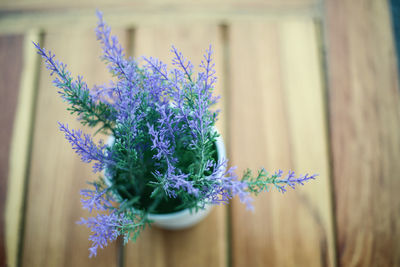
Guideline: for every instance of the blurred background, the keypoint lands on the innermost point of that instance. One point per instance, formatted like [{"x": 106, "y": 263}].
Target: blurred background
[{"x": 306, "y": 85}]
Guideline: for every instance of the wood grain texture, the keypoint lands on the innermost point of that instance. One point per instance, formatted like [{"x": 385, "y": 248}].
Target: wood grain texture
[
  {"x": 126, "y": 16},
  {"x": 273, "y": 117},
  {"x": 17, "y": 5},
  {"x": 52, "y": 238},
  {"x": 365, "y": 132},
  {"x": 20, "y": 148},
  {"x": 277, "y": 120},
  {"x": 205, "y": 243},
  {"x": 11, "y": 58}
]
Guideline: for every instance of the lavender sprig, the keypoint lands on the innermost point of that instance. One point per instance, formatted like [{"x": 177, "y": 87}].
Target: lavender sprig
[
  {"x": 86, "y": 148},
  {"x": 113, "y": 52},
  {"x": 106, "y": 228},
  {"x": 227, "y": 185},
  {"x": 97, "y": 199},
  {"x": 263, "y": 181},
  {"x": 77, "y": 94}
]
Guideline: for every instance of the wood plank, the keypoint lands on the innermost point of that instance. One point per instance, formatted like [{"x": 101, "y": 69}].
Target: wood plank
[
  {"x": 20, "y": 5},
  {"x": 125, "y": 16},
  {"x": 365, "y": 132},
  {"x": 52, "y": 237},
  {"x": 20, "y": 148},
  {"x": 205, "y": 243},
  {"x": 277, "y": 117},
  {"x": 11, "y": 59}
]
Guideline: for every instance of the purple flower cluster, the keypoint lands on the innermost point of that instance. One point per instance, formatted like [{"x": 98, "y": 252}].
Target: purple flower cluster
[
  {"x": 191, "y": 100},
  {"x": 86, "y": 148},
  {"x": 164, "y": 140},
  {"x": 291, "y": 180},
  {"x": 104, "y": 229},
  {"x": 108, "y": 226},
  {"x": 76, "y": 92},
  {"x": 95, "y": 199},
  {"x": 227, "y": 185}
]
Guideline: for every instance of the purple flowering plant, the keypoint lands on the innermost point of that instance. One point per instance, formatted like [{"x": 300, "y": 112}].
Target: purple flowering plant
[{"x": 163, "y": 155}]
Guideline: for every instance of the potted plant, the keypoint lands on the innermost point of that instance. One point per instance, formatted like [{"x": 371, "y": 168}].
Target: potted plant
[{"x": 165, "y": 161}]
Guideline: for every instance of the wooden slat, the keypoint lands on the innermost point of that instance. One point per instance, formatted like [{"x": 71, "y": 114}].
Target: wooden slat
[
  {"x": 59, "y": 19},
  {"x": 205, "y": 243},
  {"x": 52, "y": 237},
  {"x": 365, "y": 132},
  {"x": 277, "y": 121},
  {"x": 11, "y": 58},
  {"x": 20, "y": 147},
  {"x": 102, "y": 4}
]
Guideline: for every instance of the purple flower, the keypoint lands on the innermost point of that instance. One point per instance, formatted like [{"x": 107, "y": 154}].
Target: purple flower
[
  {"x": 86, "y": 148},
  {"x": 291, "y": 180},
  {"x": 208, "y": 75},
  {"x": 112, "y": 50},
  {"x": 95, "y": 199},
  {"x": 104, "y": 228},
  {"x": 225, "y": 186},
  {"x": 162, "y": 145},
  {"x": 172, "y": 180}
]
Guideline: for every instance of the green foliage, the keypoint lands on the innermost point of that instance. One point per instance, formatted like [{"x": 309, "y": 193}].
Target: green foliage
[
  {"x": 261, "y": 182},
  {"x": 90, "y": 112}
]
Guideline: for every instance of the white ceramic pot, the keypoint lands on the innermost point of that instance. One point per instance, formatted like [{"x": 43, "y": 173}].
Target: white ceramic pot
[
  {"x": 184, "y": 218},
  {"x": 180, "y": 219}
]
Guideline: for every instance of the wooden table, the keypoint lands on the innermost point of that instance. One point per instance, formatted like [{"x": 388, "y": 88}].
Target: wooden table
[{"x": 306, "y": 85}]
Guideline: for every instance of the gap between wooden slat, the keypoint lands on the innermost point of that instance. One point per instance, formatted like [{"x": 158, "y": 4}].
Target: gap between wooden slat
[
  {"x": 322, "y": 41},
  {"x": 21, "y": 147},
  {"x": 224, "y": 32}
]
